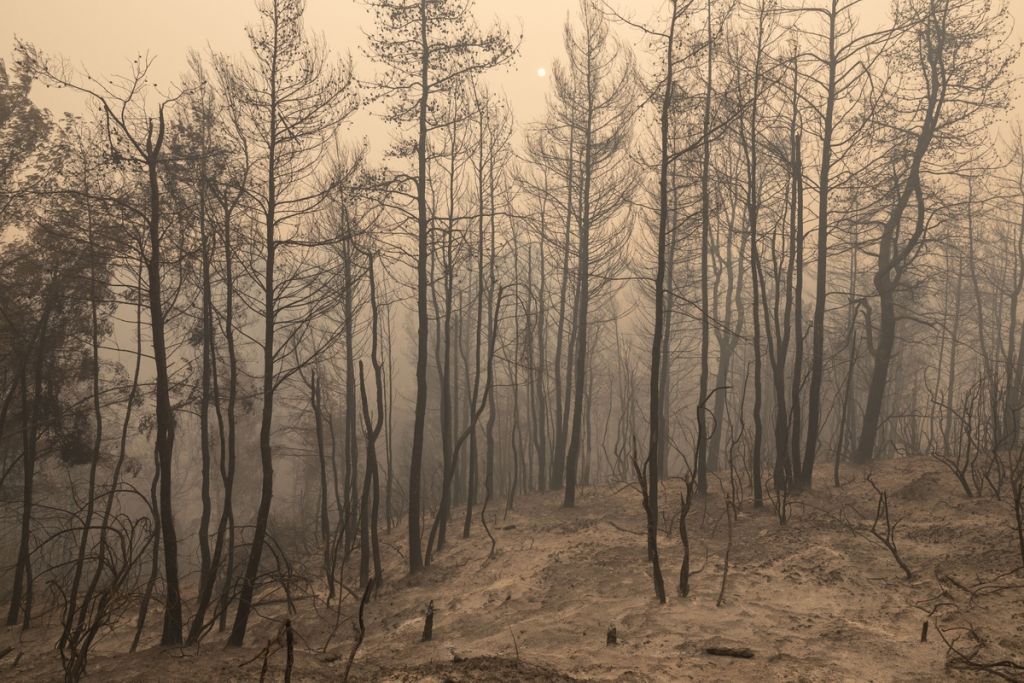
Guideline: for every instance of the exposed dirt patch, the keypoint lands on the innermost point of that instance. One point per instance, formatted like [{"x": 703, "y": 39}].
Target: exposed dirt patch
[
  {"x": 813, "y": 601},
  {"x": 476, "y": 669}
]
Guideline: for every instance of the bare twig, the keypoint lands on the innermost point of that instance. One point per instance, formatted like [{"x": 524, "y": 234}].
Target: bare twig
[
  {"x": 728, "y": 550},
  {"x": 360, "y": 633}
]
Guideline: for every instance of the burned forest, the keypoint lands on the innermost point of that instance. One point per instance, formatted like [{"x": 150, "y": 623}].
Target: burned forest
[{"x": 468, "y": 340}]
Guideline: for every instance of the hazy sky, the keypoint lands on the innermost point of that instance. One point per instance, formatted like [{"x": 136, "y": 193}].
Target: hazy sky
[{"x": 105, "y": 35}]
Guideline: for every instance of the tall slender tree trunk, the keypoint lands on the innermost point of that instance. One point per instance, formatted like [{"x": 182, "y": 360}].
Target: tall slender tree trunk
[
  {"x": 582, "y": 306},
  {"x": 657, "y": 387},
  {"x": 207, "y": 570},
  {"x": 21, "y": 588},
  {"x": 228, "y": 514},
  {"x": 797, "y": 240},
  {"x": 558, "y": 456},
  {"x": 753, "y": 201},
  {"x": 423, "y": 329},
  {"x": 164, "y": 412},
  {"x": 252, "y": 566},
  {"x": 701, "y": 465},
  {"x": 821, "y": 283},
  {"x": 90, "y": 500}
]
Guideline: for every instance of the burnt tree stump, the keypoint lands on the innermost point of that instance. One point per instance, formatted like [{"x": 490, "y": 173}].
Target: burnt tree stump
[{"x": 428, "y": 623}]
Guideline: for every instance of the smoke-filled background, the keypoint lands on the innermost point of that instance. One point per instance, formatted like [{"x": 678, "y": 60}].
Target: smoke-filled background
[{"x": 400, "y": 339}]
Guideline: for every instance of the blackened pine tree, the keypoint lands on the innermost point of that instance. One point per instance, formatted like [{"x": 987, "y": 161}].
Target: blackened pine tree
[{"x": 427, "y": 48}]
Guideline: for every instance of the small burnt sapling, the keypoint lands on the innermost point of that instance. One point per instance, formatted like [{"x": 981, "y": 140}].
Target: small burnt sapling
[
  {"x": 1017, "y": 500},
  {"x": 652, "y": 524},
  {"x": 691, "y": 483},
  {"x": 729, "y": 511},
  {"x": 289, "y": 649},
  {"x": 360, "y": 632},
  {"x": 428, "y": 623},
  {"x": 685, "y": 504},
  {"x": 882, "y": 529}
]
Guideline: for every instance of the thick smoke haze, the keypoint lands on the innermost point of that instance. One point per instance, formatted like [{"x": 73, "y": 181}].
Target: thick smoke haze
[{"x": 548, "y": 340}]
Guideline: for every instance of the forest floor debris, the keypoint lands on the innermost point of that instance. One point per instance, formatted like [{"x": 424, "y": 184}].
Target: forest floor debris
[{"x": 811, "y": 600}]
